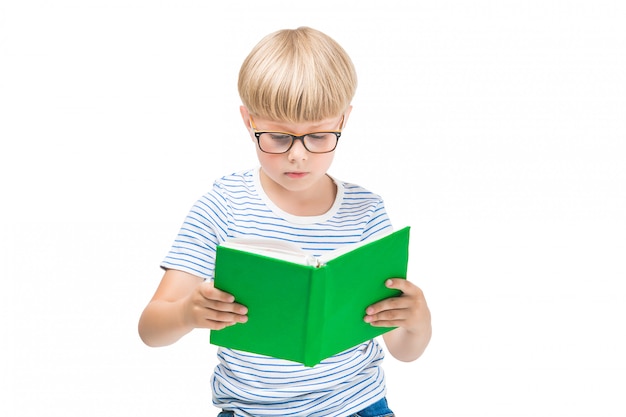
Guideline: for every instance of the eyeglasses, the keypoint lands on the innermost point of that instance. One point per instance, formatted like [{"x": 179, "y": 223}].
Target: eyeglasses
[{"x": 281, "y": 142}]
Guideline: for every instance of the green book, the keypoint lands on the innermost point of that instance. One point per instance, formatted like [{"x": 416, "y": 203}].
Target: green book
[{"x": 302, "y": 308}]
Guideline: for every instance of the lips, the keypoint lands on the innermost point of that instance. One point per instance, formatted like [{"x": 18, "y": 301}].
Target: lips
[{"x": 296, "y": 175}]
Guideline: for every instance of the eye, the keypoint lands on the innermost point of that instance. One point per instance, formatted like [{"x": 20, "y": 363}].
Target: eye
[
  {"x": 320, "y": 136},
  {"x": 279, "y": 137}
]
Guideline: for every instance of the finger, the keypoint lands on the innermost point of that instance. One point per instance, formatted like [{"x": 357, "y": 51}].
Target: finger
[
  {"x": 215, "y": 306},
  {"x": 208, "y": 291},
  {"x": 402, "y": 284},
  {"x": 388, "y": 318},
  {"x": 217, "y": 317},
  {"x": 226, "y": 307},
  {"x": 222, "y": 316},
  {"x": 215, "y": 325},
  {"x": 220, "y": 300},
  {"x": 391, "y": 303}
]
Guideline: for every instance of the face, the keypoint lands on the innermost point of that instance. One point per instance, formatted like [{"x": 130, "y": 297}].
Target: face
[{"x": 296, "y": 170}]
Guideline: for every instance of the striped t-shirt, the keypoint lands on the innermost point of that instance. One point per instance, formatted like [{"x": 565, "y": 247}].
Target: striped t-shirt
[{"x": 257, "y": 385}]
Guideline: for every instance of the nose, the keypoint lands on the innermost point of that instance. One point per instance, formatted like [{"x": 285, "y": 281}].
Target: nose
[{"x": 298, "y": 151}]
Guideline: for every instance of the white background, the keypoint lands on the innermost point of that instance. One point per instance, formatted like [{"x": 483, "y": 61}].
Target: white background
[{"x": 496, "y": 129}]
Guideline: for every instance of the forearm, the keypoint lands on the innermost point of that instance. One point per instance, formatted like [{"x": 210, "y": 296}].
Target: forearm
[
  {"x": 162, "y": 323},
  {"x": 408, "y": 346}
]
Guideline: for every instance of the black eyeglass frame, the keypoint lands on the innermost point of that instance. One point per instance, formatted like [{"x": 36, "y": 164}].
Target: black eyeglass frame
[{"x": 258, "y": 133}]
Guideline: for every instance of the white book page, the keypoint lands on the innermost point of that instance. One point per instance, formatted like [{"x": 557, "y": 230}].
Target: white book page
[
  {"x": 273, "y": 248},
  {"x": 287, "y": 251}
]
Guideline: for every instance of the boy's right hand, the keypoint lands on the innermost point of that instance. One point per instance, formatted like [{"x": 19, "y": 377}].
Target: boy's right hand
[
  {"x": 183, "y": 302},
  {"x": 211, "y": 308}
]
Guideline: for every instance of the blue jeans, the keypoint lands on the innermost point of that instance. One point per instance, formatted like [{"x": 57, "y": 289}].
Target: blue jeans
[{"x": 378, "y": 409}]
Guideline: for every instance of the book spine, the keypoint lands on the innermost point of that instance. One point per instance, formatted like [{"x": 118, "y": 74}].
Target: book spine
[{"x": 314, "y": 333}]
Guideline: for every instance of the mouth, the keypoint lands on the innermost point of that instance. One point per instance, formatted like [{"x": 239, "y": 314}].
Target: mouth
[{"x": 296, "y": 174}]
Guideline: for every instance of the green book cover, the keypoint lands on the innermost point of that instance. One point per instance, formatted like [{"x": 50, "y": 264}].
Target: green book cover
[{"x": 307, "y": 311}]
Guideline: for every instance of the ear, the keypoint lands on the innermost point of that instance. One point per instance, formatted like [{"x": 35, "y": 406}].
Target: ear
[
  {"x": 245, "y": 115},
  {"x": 346, "y": 115}
]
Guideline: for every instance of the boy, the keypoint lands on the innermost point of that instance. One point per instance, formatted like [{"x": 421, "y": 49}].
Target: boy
[{"x": 298, "y": 81}]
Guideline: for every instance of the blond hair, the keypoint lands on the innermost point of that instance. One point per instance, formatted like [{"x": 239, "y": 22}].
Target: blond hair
[{"x": 297, "y": 75}]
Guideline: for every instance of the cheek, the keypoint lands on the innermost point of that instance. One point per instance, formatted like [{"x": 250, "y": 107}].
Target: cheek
[
  {"x": 326, "y": 160},
  {"x": 267, "y": 161}
]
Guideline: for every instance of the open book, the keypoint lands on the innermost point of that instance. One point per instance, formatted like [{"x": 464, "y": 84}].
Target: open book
[{"x": 304, "y": 308}]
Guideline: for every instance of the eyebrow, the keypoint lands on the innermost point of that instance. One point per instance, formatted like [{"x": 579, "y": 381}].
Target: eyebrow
[{"x": 312, "y": 129}]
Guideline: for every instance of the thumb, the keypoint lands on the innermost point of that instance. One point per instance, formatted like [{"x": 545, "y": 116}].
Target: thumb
[{"x": 208, "y": 290}]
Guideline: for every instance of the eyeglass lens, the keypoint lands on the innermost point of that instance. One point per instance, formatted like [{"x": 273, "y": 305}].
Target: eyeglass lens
[{"x": 322, "y": 142}]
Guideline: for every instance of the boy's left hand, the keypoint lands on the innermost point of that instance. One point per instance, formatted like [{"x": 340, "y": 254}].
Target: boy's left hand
[
  {"x": 409, "y": 313},
  {"x": 408, "y": 310}
]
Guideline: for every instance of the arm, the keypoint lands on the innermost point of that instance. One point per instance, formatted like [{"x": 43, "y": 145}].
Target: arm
[
  {"x": 410, "y": 314},
  {"x": 183, "y": 302}
]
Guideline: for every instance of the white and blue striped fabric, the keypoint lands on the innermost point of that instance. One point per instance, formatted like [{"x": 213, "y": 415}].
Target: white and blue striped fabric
[{"x": 257, "y": 385}]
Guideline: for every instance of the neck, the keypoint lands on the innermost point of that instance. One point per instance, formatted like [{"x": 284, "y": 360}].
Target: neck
[{"x": 313, "y": 201}]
